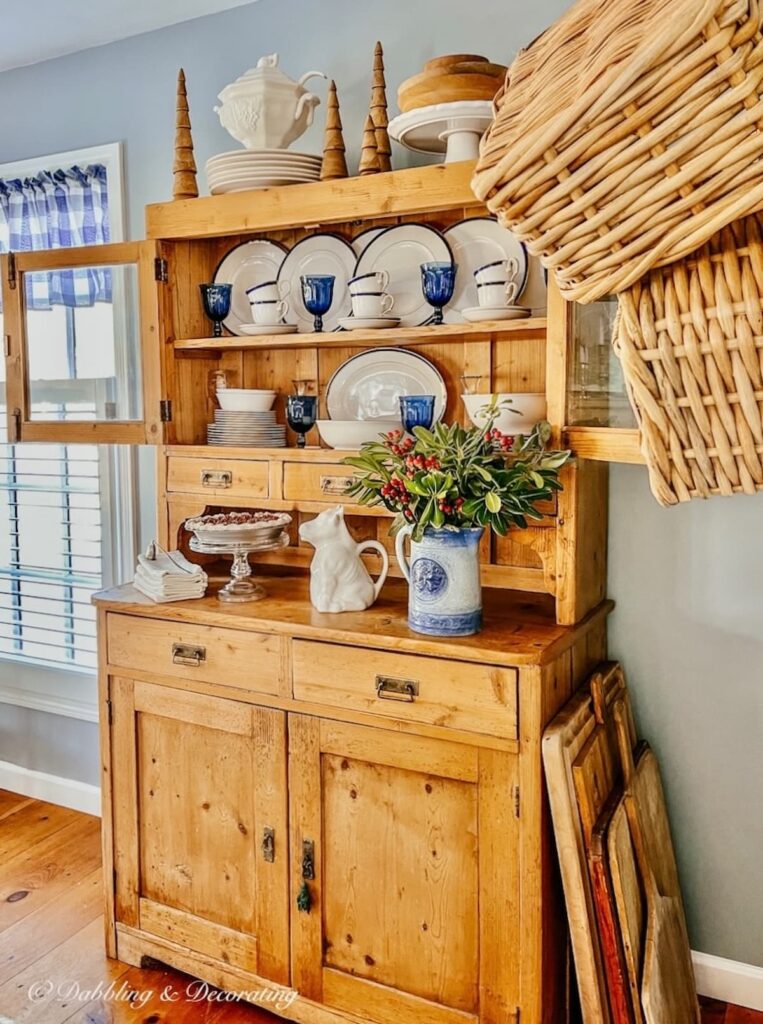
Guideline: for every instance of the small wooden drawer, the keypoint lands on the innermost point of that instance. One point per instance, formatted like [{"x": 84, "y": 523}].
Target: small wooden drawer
[
  {"x": 229, "y": 478},
  {"x": 405, "y": 687},
  {"x": 229, "y": 657},
  {"x": 317, "y": 481}
]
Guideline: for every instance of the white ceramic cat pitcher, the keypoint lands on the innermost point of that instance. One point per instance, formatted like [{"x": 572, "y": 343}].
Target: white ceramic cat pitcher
[{"x": 339, "y": 581}]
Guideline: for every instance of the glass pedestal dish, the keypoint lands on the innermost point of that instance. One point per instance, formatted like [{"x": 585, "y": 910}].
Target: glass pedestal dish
[{"x": 241, "y": 587}]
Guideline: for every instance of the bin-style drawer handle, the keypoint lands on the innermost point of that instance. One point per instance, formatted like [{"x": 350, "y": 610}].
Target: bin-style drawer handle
[
  {"x": 389, "y": 688},
  {"x": 216, "y": 478},
  {"x": 336, "y": 486},
  {"x": 187, "y": 654}
]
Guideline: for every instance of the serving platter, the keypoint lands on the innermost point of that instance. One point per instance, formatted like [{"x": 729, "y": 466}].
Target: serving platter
[
  {"x": 368, "y": 386},
  {"x": 322, "y": 253},
  {"x": 244, "y": 266},
  {"x": 475, "y": 242}
]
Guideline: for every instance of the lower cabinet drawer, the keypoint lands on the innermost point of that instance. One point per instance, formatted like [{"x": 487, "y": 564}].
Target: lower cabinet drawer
[
  {"x": 229, "y": 657},
  {"x": 405, "y": 687},
  {"x": 228, "y": 478}
]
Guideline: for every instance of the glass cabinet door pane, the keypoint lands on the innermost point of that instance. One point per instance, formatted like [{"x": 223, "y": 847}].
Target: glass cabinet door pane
[
  {"x": 82, "y": 330},
  {"x": 596, "y": 395}
]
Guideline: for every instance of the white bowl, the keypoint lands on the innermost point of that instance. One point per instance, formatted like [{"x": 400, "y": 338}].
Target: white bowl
[
  {"x": 517, "y": 414},
  {"x": 244, "y": 400},
  {"x": 347, "y": 435}
]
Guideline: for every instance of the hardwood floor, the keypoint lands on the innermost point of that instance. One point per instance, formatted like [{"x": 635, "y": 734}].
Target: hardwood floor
[{"x": 52, "y": 966}]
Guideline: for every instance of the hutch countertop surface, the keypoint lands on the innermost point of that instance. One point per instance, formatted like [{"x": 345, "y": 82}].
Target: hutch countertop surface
[{"x": 519, "y": 628}]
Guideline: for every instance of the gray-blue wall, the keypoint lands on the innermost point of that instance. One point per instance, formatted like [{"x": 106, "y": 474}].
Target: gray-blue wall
[{"x": 687, "y": 582}]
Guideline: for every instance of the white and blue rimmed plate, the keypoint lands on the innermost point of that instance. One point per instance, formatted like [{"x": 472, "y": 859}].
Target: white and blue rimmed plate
[
  {"x": 245, "y": 266},
  {"x": 369, "y": 385},
  {"x": 323, "y": 253},
  {"x": 400, "y": 250},
  {"x": 476, "y": 242}
]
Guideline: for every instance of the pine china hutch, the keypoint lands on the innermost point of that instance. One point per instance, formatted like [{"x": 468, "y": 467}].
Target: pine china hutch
[{"x": 332, "y": 804}]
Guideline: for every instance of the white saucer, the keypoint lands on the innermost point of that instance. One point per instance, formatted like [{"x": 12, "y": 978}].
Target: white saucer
[
  {"x": 476, "y": 314},
  {"x": 368, "y": 323},
  {"x": 268, "y": 328}
]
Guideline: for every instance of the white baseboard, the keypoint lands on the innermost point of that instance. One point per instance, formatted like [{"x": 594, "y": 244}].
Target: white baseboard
[
  {"x": 80, "y": 796},
  {"x": 728, "y": 980}
]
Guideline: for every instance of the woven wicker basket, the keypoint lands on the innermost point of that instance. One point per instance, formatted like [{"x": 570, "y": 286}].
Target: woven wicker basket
[
  {"x": 627, "y": 135},
  {"x": 690, "y": 338}
]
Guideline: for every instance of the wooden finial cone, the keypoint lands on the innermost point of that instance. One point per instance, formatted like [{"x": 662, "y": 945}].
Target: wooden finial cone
[
  {"x": 369, "y": 155},
  {"x": 334, "y": 162},
  {"x": 378, "y": 110},
  {"x": 184, "y": 168}
]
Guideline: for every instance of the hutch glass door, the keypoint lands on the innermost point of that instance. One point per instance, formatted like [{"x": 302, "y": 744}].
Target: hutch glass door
[{"x": 82, "y": 344}]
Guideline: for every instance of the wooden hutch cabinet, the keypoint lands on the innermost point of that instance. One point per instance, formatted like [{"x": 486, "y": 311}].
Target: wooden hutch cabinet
[{"x": 274, "y": 812}]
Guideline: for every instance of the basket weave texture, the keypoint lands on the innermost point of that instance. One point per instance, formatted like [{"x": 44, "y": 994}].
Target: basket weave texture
[
  {"x": 627, "y": 135},
  {"x": 690, "y": 339}
]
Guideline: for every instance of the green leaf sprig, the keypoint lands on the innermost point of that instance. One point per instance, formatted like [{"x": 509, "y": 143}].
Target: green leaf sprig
[{"x": 450, "y": 478}]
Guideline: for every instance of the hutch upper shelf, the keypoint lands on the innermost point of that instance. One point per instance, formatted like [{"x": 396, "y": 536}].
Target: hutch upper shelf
[{"x": 147, "y": 379}]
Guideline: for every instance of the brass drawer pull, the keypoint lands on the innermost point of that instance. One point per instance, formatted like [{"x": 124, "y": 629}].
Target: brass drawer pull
[
  {"x": 216, "y": 478},
  {"x": 389, "y": 688},
  {"x": 336, "y": 486},
  {"x": 187, "y": 654}
]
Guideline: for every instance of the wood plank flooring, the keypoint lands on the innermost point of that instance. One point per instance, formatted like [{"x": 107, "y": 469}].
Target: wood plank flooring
[{"x": 51, "y": 937}]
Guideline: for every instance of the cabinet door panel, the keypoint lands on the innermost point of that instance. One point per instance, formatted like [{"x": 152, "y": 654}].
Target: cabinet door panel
[
  {"x": 201, "y": 780},
  {"x": 406, "y": 866},
  {"x": 412, "y": 837}
]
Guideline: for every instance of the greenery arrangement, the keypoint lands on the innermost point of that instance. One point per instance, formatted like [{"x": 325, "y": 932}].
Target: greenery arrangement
[{"x": 450, "y": 478}]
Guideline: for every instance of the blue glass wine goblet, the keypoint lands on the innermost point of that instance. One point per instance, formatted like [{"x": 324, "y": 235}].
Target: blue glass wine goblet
[
  {"x": 317, "y": 295},
  {"x": 301, "y": 414},
  {"x": 437, "y": 282},
  {"x": 216, "y": 301},
  {"x": 417, "y": 411}
]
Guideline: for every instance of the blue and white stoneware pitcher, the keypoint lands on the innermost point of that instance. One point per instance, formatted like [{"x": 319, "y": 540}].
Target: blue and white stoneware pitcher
[{"x": 444, "y": 592}]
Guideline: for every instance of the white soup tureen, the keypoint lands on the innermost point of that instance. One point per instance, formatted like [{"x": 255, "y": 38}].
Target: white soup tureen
[{"x": 265, "y": 109}]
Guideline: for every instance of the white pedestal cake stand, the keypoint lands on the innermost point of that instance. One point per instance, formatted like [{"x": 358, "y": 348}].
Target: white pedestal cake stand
[
  {"x": 454, "y": 129},
  {"x": 241, "y": 586}
]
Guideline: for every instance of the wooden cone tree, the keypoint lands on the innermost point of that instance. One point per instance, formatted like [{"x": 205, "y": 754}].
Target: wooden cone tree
[
  {"x": 334, "y": 162},
  {"x": 184, "y": 168},
  {"x": 369, "y": 155},
  {"x": 378, "y": 111}
]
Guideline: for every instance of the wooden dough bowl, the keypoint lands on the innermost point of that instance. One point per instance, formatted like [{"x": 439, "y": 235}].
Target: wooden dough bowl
[{"x": 451, "y": 80}]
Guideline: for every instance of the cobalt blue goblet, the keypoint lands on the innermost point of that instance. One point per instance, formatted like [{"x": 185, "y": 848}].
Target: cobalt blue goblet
[
  {"x": 301, "y": 414},
  {"x": 417, "y": 411},
  {"x": 438, "y": 281},
  {"x": 317, "y": 295},
  {"x": 216, "y": 301}
]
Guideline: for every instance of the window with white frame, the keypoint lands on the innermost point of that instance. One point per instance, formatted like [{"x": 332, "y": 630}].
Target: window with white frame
[{"x": 66, "y": 515}]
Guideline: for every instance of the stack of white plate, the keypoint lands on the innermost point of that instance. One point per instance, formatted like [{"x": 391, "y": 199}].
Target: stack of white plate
[
  {"x": 244, "y": 169},
  {"x": 246, "y": 430}
]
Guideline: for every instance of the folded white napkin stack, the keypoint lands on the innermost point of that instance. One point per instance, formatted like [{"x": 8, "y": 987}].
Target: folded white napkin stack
[{"x": 169, "y": 576}]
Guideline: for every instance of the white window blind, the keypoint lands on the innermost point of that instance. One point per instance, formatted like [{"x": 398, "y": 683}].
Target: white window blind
[{"x": 51, "y": 554}]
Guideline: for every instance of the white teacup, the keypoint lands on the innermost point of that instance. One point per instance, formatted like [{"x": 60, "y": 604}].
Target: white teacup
[
  {"x": 497, "y": 270},
  {"x": 269, "y": 311},
  {"x": 497, "y": 294},
  {"x": 371, "y": 305},
  {"x": 268, "y": 291},
  {"x": 375, "y": 281}
]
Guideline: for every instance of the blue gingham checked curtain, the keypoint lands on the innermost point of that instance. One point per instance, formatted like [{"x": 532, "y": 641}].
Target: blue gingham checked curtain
[{"x": 57, "y": 210}]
